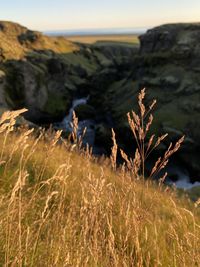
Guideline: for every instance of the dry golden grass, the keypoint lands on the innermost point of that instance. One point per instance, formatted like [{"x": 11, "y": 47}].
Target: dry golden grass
[
  {"x": 60, "y": 207},
  {"x": 140, "y": 125}
]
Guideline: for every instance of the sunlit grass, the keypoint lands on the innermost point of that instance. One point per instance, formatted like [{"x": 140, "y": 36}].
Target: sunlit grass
[{"x": 61, "y": 207}]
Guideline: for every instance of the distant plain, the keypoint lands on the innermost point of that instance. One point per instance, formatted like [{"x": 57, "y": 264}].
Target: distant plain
[{"x": 90, "y": 39}]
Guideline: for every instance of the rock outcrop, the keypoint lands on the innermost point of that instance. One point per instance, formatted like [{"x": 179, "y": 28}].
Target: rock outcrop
[{"x": 168, "y": 65}]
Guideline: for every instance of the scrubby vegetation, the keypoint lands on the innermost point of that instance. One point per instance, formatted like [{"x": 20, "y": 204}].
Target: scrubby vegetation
[{"x": 59, "y": 206}]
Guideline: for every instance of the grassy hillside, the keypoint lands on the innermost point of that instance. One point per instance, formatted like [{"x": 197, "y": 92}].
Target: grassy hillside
[
  {"x": 61, "y": 207},
  {"x": 16, "y": 41}
]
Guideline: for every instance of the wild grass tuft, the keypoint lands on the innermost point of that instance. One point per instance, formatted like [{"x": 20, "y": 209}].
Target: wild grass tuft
[{"x": 140, "y": 125}]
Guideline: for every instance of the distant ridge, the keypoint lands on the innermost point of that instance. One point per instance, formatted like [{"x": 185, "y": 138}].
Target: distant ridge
[{"x": 96, "y": 31}]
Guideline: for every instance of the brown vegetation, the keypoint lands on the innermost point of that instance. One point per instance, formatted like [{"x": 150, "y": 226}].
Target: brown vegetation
[
  {"x": 63, "y": 208},
  {"x": 140, "y": 126}
]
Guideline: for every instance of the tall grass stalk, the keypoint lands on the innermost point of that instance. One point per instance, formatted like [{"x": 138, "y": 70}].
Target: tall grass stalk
[{"x": 140, "y": 125}]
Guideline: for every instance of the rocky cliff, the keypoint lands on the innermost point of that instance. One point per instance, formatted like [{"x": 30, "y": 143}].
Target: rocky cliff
[
  {"x": 44, "y": 73},
  {"x": 168, "y": 65}
]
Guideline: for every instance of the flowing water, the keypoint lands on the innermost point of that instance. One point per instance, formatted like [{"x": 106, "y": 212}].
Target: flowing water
[
  {"x": 89, "y": 136},
  {"x": 183, "y": 178}
]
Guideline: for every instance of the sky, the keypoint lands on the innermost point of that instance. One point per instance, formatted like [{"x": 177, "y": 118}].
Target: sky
[{"x": 97, "y": 14}]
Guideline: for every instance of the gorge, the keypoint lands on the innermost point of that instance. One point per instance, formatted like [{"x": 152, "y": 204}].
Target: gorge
[{"x": 48, "y": 75}]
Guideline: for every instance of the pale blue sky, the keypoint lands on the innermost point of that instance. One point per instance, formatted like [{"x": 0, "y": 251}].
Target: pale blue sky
[{"x": 88, "y": 14}]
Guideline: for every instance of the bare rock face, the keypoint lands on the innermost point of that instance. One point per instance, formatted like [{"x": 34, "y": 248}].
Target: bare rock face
[{"x": 35, "y": 88}]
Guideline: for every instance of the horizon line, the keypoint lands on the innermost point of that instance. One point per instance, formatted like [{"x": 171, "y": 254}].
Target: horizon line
[{"x": 113, "y": 30}]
